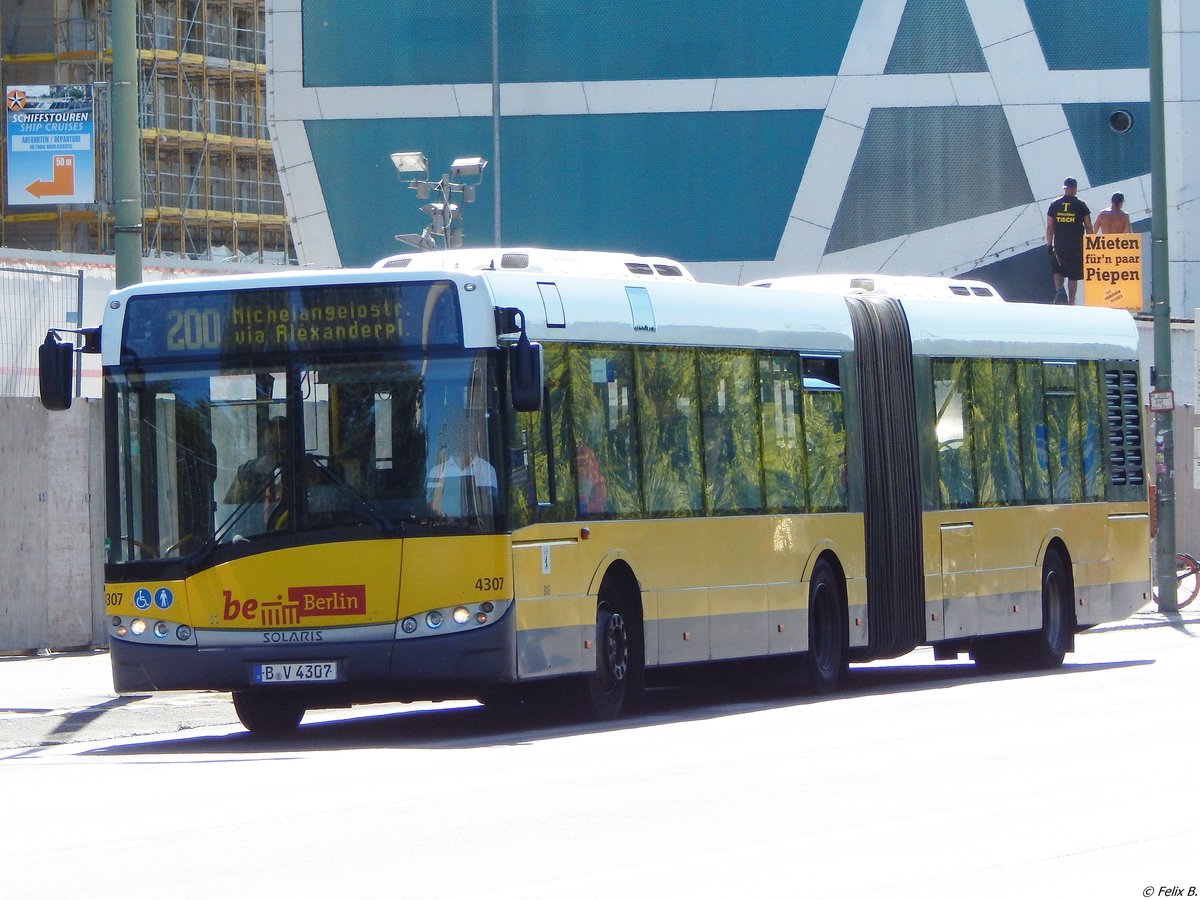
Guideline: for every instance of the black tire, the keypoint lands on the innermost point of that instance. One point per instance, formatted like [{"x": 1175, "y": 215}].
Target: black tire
[
  {"x": 1047, "y": 647},
  {"x": 271, "y": 713},
  {"x": 616, "y": 683},
  {"x": 828, "y": 655}
]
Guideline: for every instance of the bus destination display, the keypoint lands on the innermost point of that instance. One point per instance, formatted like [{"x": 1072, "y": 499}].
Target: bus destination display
[{"x": 414, "y": 315}]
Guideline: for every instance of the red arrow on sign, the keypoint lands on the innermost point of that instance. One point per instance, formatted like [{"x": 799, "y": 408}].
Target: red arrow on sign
[{"x": 61, "y": 185}]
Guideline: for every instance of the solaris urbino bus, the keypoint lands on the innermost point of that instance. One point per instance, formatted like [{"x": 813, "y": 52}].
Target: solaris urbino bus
[{"x": 475, "y": 473}]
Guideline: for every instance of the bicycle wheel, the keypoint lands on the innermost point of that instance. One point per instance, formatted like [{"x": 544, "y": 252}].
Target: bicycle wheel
[{"x": 1187, "y": 579}]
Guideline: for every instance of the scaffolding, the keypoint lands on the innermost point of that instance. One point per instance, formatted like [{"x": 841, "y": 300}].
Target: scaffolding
[{"x": 210, "y": 187}]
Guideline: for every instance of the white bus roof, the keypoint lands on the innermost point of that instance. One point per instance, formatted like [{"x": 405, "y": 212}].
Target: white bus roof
[
  {"x": 683, "y": 312},
  {"x": 910, "y": 286},
  {"x": 950, "y": 317},
  {"x": 595, "y": 263}
]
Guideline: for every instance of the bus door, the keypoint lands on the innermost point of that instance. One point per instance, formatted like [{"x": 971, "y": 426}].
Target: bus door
[{"x": 960, "y": 577}]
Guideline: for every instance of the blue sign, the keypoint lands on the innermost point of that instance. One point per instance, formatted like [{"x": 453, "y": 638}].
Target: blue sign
[
  {"x": 163, "y": 598},
  {"x": 141, "y": 598},
  {"x": 51, "y": 144}
]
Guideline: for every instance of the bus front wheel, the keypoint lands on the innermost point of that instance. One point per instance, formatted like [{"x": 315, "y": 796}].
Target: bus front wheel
[
  {"x": 616, "y": 682},
  {"x": 268, "y": 712}
]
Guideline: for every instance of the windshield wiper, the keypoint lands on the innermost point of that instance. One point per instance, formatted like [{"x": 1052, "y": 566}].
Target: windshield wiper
[{"x": 220, "y": 532}]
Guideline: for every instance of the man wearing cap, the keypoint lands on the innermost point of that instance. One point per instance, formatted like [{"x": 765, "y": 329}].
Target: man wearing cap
[
  {"x": 1067, "y": 220},
  {"x": 1114, "y": 220}
]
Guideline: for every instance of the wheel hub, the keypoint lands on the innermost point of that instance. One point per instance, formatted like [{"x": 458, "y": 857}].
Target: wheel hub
[{"x": 614, "y": 651}]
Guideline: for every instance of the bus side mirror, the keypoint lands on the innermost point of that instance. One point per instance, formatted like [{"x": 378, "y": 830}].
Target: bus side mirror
[
  {"x": 525, "y": 371},
  {"x": 56, "y": 370}
]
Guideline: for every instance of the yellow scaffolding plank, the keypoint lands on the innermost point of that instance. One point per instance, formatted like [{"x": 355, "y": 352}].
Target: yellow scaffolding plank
[
  {"x": 31, "y": 217},
  {"x": 16, "y": 59}
]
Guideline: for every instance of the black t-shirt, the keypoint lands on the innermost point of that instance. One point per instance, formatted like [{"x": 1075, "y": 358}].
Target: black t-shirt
[{"x": 1068, "y": 213}]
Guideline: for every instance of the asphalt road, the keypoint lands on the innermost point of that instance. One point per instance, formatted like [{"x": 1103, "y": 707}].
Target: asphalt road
[{"x": 919, "y": 779}]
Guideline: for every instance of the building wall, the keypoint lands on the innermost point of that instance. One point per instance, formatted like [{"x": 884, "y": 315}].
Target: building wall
[
  {"x": 52, "y": 531},
  {"x": 749, "y": 140},
  {"x": 209, "y": 188}
]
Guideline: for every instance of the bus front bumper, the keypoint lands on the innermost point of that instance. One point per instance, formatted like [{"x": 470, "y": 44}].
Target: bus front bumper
[{"x": 451, "y": 665}]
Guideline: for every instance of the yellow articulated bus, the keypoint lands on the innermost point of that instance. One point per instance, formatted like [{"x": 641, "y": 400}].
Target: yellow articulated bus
[{"x": 474, "y": 475}]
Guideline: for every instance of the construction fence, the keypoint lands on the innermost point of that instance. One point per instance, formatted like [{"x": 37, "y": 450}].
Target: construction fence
[{"x": 33, "y": 300}]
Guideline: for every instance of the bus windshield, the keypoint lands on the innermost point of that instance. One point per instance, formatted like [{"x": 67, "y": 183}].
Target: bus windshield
[{"x": 209, "y": 457}]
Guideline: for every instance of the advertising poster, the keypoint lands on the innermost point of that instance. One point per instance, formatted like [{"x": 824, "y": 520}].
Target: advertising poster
[
  {"x": 1112, "y": 271},
  {"x": 51, "y": 144}
]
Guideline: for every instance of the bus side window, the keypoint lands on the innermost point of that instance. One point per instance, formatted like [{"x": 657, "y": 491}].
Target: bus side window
[
  {"x": 1035, "y": 461},
  {"x": 951, "y": 397},
  {"x": 669, "y": 431},
  {"x": 732, "y": 452},
  {"x": 824, "y": 435},
  {"x": 529, "y": 488},
  {"x": 1063, "y": 432},
  {"x": 783, "y": 457},
  {"x": 602, "y": 417},
  {"x": 994, "y": 420},
  {"x": 1091, "y": 416}
]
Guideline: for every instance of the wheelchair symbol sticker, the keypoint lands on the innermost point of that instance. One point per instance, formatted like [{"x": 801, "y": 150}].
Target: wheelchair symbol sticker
[
  {"x": 163, "y": 598},
  {"x": 141, "y": 598}
]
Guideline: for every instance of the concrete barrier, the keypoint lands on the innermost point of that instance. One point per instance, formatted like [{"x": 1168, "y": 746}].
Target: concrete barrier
[{"x": 52, "y": 526}]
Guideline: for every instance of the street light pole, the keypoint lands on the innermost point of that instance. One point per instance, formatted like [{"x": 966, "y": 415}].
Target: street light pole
[
  {"x": 444, "y": 213},
  {"x": 496, "y": 123},
  {"x": 1160, "y": 304},
  {"x": 126, "y": 146}
]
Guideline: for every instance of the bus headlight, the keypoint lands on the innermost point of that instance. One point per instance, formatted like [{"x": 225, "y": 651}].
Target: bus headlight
[
  {"x": 451, "y": 620},
  {"x": 138, "y": 626},
  {"x": 161, "y": 629},
  {"x": 183, "y": 633}
]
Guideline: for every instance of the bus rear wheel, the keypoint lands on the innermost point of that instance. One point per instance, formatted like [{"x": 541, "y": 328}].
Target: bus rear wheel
[
  {"x": 827, "y": 657},
  {"x": 1047, "y": 647},
  {"x": 269, "y": 712}
]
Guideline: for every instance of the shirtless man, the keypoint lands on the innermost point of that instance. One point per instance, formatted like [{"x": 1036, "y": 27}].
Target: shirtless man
[{"x": 1114, "y": 220}]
